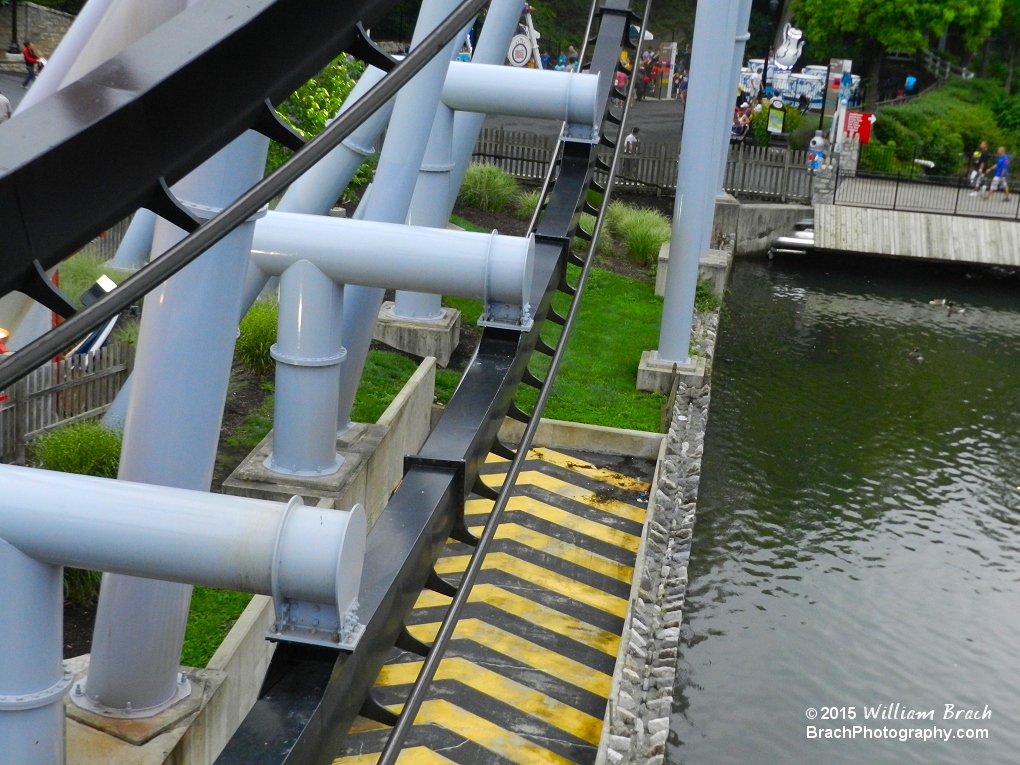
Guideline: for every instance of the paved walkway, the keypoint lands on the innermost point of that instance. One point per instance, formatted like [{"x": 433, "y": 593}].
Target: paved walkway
[
  {"x": 10, "y": 86},
  {"x": 528, "y": 672},
  {"x": 924, "y": 198}
]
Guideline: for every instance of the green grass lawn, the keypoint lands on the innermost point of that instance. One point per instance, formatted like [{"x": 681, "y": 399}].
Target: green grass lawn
[{"x": 619, "y": 318}]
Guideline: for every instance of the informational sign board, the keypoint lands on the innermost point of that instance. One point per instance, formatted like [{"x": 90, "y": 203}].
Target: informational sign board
[
  {"x": 776, "y": 119},
  {"x": 859, "y": 124},
  {"x": 520, "y": 50}
]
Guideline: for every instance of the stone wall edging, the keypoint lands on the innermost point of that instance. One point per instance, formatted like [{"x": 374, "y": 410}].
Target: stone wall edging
[{"x": 637, "y": 717}]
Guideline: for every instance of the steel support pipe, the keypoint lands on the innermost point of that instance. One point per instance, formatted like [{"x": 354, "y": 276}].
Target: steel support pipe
[
  {"x": 395, "y": 256},
  {"x": 535, "y": 93},
  {"x": 739, "y": 45},
  {"x": 308, "y": 355},
  {"x": 182, "y": 368},
  {"x": 697, "y": 172},
  {"x": 395, "y": 177},
  {"x": 32, "y": 677}
]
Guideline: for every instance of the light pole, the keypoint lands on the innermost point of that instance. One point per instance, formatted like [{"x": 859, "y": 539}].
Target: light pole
[{"x": 14, "y": 47}]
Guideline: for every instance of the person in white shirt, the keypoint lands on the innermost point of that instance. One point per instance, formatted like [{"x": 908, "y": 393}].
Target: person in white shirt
[
  {"x": 5, "y": 108},
  {"x": 755, "y": 84},
  {"x": 631, "y": 142}
]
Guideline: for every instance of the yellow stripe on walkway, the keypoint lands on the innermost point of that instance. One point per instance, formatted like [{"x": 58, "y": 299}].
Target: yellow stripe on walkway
[
  {"x": 522, "y": 651},
  {"x": 563, "y": 550},
  {"x": 555, "y": 713},
  {"x": 536, "y": 613},
  {"x": 543, "y": 577},
  {"x": 559, "y": 517},
  {"x": 417, "y": 755},
  {"x": 570, "y": 491},
  {"x": 486, "y": 734},
  {"x": 580, "y": 466}
]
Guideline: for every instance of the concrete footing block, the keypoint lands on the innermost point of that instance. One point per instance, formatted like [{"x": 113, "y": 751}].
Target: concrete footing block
[
  {"x": 656, "y": 376},
  {"x": 95, "y": 740},
  {"x": 420, "y": 337},
  {"x": 714, "y": 265},
  {"x": 373, "y": 456}
]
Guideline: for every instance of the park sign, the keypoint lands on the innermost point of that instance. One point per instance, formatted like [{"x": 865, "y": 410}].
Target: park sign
[{"x": 859, "y": 124}]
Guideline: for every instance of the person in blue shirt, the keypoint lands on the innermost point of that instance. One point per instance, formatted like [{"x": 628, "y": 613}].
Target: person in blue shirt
[
  {"x": 1001, "y": 178},
  {"x": 911, "y": 84}
]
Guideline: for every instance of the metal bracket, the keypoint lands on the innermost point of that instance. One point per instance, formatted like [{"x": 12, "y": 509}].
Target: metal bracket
[
  {"x": 300, "y": 621},
  {"x": 161, "y": 200},
  {"x": 22, "y": 701},
  {"x": 436, "y": 583},
  {"x": 506, "y": 316},
  {"x": 272, "y": 126},
  {"x": 408, "y": 642},
  {"x": 366, "y": 50},
  {"x": 39, "y": 287},
  {"x": 376, "y": 712}
]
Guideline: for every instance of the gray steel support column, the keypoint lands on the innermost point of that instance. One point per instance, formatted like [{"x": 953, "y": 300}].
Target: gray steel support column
[
  {"x": 399, "y": 164},
  {"x": 740, "y": 44},
  {"x": 697, "y": 172},
  {"x": 308, "y": 356},
  {"x": 429, "y": 208},
  {"x": 136, "y": 245},
  {"x": 32, "y": 677},
  {"x": 500, "y": 25},
  {"x": 182, "y": 368}
]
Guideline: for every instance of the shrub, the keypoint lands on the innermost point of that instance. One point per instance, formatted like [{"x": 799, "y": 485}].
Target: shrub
[
  {"x": 642, "y": 233},
  {"x": 258, "y": 333},
  {"x": 706, "y": 299},
  {"x": 86, "y": 448},
  {"x": 587, "y": 224},
  {"x": 524, "y": 206},
  {"x": 616, "y": 214},
  {"x": 127, "y": 331},
  {"x": 488, "y": 188}
]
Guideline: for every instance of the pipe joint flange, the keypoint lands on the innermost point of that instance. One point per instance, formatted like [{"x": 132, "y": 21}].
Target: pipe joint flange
[
  {"x": 22, "y": 701},
  {"x": 304, "y": 361},
  {"x": 744, "y": 37},
  {"x": 79, "y": 697},
  {"x": 205, "y": 212},
  {"x": 444, "y": 167},
  {"x": 357, "y": 148}
]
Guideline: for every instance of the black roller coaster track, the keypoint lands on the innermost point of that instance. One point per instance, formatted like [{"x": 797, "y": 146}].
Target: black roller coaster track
[{"x": 149, "y": 116}]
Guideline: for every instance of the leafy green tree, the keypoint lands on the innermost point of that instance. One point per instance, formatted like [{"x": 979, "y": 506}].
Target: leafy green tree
[
  {"x": 1009, "y": 36},
  {"x": 902, "y": 25}
]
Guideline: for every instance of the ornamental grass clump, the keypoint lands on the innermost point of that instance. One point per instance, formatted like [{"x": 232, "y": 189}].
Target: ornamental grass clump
[
  {"x": 525, "y": 204},
  {"x": 488, "y": 188},
  {"x": 587, "y": 224},
  {"x": 642, "y": 232},
  {"x": 86, "y": 448},
  {"x": 258, "y": 333}
]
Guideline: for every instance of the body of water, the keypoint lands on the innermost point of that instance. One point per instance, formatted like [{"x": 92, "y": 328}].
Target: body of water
[{"x": 858, "y": 532}]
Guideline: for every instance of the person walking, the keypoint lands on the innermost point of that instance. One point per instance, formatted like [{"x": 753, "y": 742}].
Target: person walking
[
  {"x": 754, "y": 85},
  {"x": 979, "y": 168},
  {"x": 1001, "y": 178},
  {"x": 6, "y": 112},
  {"x": 31, "y": 63},
  {"x": 632, "y": 142}
]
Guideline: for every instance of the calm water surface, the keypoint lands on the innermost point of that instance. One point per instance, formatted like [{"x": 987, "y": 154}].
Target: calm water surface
[{"x": 858, "y": 536}]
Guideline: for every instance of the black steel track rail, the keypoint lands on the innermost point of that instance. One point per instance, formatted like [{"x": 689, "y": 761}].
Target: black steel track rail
[
  {"x": 173, "y": 260},
  {"x": 95, "y": 151},
  {"x": 311, "y": 698}
]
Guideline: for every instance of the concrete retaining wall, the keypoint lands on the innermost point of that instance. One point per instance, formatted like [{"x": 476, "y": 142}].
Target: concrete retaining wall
[
  {"x": 753, "y": 227},
  {"x": 636, "y": 724}
]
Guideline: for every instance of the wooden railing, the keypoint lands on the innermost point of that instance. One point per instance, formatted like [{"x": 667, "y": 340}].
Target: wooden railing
[
  {"x": 59, "y": 393},
  {"x": 755, "y": 172}
]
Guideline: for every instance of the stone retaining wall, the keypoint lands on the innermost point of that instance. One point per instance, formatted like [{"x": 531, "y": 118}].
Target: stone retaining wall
[
  {"x": 45, "y": 27},
  {"x": 637, "y": 718}
]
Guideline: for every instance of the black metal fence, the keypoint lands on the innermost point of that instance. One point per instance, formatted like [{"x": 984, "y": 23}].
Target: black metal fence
[{"x": 886, "y": 181}]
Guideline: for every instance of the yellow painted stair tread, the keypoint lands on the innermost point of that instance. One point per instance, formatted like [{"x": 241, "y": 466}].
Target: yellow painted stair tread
[
  {"x": 522, "y": 651},
  {"x": 570, "y": 491},
  {"x": 536, "y": 613},
  {"x": 418, "y": 755},
  {"x": 604, "y": 475},
  {"x": 563, "y": 550},
  {"x": 559, "y": 517},
  {"x": 526, "y": 700},
  {"x": 550, "y": 580}
]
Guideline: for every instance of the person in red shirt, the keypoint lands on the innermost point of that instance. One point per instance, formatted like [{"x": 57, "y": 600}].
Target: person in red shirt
[{"x": 31, "y": 63}]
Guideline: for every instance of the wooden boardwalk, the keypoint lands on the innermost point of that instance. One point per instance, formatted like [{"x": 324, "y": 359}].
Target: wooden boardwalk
[{"x": 925, "y": 236}]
